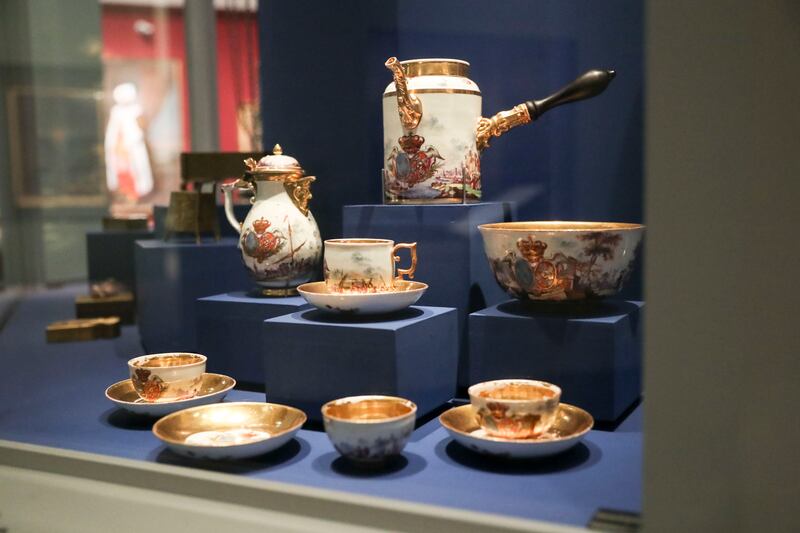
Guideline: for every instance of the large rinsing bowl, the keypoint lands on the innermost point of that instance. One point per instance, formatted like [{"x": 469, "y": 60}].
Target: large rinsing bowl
[{"x": 556, "y": 260}]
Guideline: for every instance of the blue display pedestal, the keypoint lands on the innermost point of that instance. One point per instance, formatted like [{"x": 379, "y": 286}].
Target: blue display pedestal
[
  {"x": 591, "y": 350},
  {"x": 110, "y": 254},
  {"x": 241, "y": 210},
  {"x": 170, "y": 276},
  {"x": 229, "y": 331},
  {"x": 311, "y": 358},
  {"x": 450, "y": 250}
]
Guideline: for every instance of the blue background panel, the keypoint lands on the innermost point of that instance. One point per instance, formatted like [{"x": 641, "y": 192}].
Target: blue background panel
[
  {"x": 229, "y": 331},
  {"x": 171, "y": 276},
  {"x": 110, "y": 254}
]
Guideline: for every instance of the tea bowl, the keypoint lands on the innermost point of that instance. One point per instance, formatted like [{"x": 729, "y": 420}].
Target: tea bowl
[
  {"x": 369, "y": 429},
  {"x": 515, "y": 408},
  {"x": 555, "y": 260},
  {"x": 166, "y": 377}
]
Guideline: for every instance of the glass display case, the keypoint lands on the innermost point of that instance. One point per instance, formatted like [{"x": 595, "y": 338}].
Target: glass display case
[{"x": 465, "y": 353}]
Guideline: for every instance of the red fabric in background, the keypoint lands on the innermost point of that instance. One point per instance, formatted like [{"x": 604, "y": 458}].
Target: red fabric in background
[{"x": 237, "y": 57}]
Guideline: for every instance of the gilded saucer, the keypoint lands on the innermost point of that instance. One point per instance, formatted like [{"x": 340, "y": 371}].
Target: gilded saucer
[
  {"x": 224, "y": 431},
  {"x": 570, "y": 426},
  {"x": 213, "y": 389},
  {"x": 406, "y": 293}
]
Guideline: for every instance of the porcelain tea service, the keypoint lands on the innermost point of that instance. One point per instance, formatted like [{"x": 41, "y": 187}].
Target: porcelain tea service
[
  {"x": 516, "y": 419},
  {"x": 365, "y": 265},
  {"x": 163, "y": 383},
  {"x": 361, "y": 278}
]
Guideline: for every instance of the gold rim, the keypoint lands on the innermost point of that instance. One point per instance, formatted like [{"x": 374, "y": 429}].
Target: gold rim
[
  {"x": 555, "y": 389},
  {"x": 562, "y": 406},
  {"x": 358, "y": 240},
  {"x": 561, "y": 226},
  {"x": 435, "y": 67},
  {"x": 354, "y": 399},
  {"x": 161, "y": 421},
  {"x": 121, "y": 383},
  {"x": 202, "y": 361},
  {"x": 434, "y": 91}
]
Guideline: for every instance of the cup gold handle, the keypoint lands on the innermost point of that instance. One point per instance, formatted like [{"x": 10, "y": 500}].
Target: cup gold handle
[{"x": 396, "y": 258}]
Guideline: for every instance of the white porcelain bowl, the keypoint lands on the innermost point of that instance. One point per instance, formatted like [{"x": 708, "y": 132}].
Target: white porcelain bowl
[
  {"x": 556, "y": 260},
  {"x": 369, "y": 429}
]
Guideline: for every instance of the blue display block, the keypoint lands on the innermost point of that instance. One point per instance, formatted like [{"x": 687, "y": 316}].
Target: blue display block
[
  {"x": 591, "y": 350},
  {"x": 230, "y": 332},
  {"x": 450, "y": 250},
  {"x": 240, "y": 210},
  {"x": 110, "y": 254},
  {"x": 170, "y": 276},
  {"x": 311, "y": 358}
]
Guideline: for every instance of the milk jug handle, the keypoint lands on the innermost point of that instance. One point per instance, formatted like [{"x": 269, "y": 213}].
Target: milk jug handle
[{"x": 227, "y": 189}]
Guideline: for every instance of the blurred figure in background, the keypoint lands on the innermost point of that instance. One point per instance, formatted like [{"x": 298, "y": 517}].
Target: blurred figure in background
[{"x": 128, "y": 171}]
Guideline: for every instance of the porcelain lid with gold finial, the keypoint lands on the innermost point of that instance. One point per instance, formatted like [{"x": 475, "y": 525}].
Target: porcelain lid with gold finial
[{"x": 274, "y": 164}]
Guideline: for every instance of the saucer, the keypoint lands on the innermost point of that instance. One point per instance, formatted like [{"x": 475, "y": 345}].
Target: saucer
[
  {"x": 570, "y": 425},
  {"x": 213, "y": 389},
  {"x": 235, "y": 430},
  {"x": 405, "y": 294}
]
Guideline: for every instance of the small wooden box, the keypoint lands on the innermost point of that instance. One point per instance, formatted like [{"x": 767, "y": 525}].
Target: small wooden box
[
  {"x": 122, "y": 305},
  {"x": 83, "y": 329}
]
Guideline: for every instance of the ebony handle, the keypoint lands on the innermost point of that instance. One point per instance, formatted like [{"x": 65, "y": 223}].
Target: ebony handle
[{"x": 586, "y": 86}]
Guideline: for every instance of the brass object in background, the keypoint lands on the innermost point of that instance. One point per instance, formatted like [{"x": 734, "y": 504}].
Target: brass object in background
[
  {"x": 122, "y": 305},
  {"x": 124, "y": 223},
  {"x": 206, "y": 167},
  {"x": 83, "y": 329},
  {"x": 499, "y": 124},
  {"x": 192, "y": 212},
  {"x": 196, "y": 211}
]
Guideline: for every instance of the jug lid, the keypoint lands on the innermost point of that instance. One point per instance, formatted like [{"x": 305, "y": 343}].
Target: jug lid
[{"x": 275, "y": 163}]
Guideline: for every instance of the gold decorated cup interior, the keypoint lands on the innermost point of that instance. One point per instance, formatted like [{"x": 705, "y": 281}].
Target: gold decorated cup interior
[
  {"x": 519, "y": 391},
  {"x": 169, "y": 360},
  {"x": 570, "y": 421},
  {"x": 268, "y": 420},
  {"x": 369, "y": 409}
]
